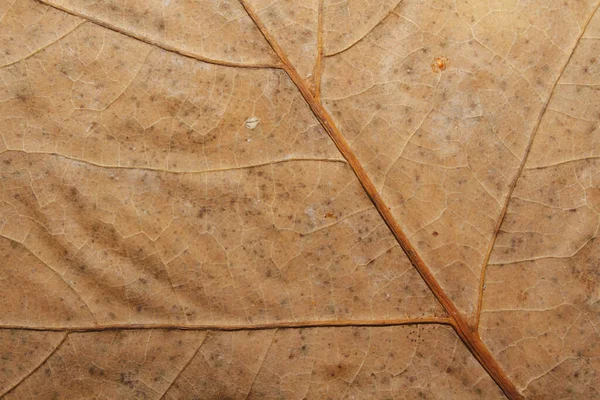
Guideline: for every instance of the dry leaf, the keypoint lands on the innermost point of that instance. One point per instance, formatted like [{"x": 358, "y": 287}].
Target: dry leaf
[{"x": 288, "y": 200}]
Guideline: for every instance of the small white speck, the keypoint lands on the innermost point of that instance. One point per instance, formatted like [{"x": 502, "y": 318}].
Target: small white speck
[
  {"x": 484, "y": 286},
  {"x": 251, "y": 122}
]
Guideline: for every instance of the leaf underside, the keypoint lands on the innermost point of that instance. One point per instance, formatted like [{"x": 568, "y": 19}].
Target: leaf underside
[{"x": 299, "y": 200}]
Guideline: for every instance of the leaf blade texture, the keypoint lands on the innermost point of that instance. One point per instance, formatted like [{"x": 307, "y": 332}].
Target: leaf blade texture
[{"x": 306, "y": 199}]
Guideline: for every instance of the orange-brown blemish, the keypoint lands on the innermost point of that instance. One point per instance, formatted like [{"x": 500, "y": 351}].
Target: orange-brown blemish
[{"x": 439, "y": 64}]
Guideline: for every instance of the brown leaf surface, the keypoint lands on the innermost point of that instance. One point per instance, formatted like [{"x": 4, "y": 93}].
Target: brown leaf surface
[
  {"x": 309, "y": 199},
  {"x": 543, "y": 278}
]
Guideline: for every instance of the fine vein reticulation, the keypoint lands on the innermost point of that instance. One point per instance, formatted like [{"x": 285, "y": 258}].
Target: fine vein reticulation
[
  {"x": 513, "y": 184},
  {"x": 466, "y": 330},
  {"x": 34, "y": 370},
  {"x": 158, "y": 44}
]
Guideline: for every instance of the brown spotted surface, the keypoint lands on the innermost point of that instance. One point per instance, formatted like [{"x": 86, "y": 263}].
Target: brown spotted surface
[{"x": 313, "y": 199}]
